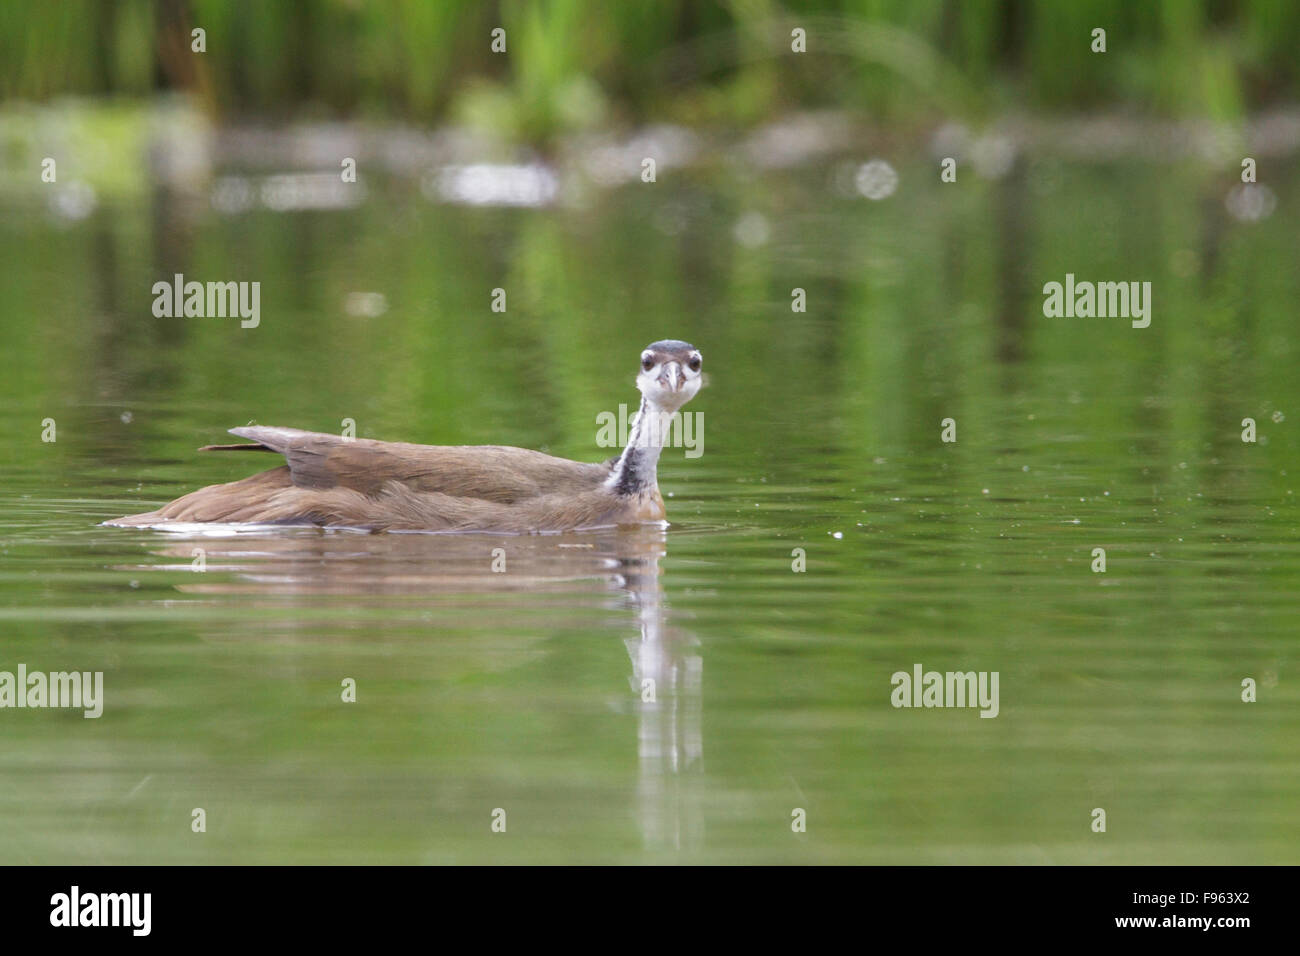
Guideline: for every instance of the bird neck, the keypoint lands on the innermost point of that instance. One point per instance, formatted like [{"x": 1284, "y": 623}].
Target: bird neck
[{"x": 635, "y": 470}]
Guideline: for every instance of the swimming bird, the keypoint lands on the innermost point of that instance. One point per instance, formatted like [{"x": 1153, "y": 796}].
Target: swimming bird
[{"x": 361, "y": 483}]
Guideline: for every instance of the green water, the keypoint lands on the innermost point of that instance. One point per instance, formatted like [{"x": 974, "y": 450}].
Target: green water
[{"x": 479, "y": 690}]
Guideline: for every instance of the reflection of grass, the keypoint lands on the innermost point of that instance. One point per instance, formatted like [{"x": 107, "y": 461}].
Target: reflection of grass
[
  {"x": 574, "y": 63},
  {"x": 1119, "y": 690}
]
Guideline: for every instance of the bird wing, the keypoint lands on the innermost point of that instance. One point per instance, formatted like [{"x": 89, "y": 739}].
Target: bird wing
[{"x": 489, "y": 472}]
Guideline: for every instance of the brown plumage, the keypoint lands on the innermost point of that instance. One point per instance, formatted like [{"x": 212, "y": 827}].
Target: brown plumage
[{"x": 395, "y": 486}]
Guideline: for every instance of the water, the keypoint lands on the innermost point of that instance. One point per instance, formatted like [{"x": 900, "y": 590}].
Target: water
[{"x": 523, "y": 690}]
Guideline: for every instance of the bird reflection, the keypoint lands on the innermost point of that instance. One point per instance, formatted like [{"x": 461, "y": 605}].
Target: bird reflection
[
  {"x": 616, "y": 568},
  {"x": 667, "y": 677}
]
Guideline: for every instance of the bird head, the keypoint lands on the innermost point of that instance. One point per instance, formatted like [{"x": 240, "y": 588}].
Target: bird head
[{"x": 671, "y": 373}]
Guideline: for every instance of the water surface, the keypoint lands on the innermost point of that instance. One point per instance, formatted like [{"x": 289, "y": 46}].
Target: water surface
[{"x": 523, "y": 689}]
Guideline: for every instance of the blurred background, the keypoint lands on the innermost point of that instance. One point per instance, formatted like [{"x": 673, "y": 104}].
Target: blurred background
[
  {"x": 775, "y": 171},
  {"x": 580, "y": 64}
]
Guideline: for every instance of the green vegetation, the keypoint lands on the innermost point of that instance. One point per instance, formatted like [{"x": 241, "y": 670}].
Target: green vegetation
[{"x": 581, "y": 63}]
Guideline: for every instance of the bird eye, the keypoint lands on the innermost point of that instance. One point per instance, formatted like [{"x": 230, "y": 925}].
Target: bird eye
[
  {"x": 647, "y": 363},
  {"x": 695, "y": 363}
]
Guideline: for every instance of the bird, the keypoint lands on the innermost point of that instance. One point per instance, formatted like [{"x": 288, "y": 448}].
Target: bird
[{"x": 335, "y": 482}]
